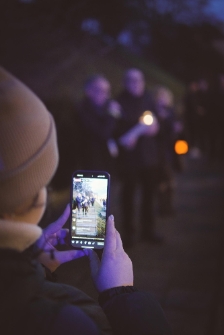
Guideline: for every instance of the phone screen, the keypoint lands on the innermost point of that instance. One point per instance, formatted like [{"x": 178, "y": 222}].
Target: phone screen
[{"x": 89, "y": 204}]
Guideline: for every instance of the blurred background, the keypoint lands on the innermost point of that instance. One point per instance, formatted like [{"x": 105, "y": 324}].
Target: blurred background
[
  {"x": 174, "y": 41},
  {"x": 54, "y": 45}
]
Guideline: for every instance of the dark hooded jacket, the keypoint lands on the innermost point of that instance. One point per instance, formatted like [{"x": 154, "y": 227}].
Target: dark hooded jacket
[{"x": 30, "y": 304}]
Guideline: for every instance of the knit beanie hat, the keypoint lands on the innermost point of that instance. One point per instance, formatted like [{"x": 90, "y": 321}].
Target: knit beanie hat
[{"x": 28, "y": 143}]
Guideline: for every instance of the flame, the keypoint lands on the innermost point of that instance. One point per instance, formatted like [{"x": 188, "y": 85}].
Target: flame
[{"x": 146, "y": 118}]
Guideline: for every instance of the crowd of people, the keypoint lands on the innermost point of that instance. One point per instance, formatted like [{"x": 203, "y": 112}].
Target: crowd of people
[
  {"x": 119, "y": 139},
  {"x": 82, "y": 203}
]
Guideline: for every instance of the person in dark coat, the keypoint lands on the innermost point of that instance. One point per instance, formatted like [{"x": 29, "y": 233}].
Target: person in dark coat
[
  {"x": 138, "y": 156},
  {"x": 97, "y": 115},
  {"x": 170, "y": 129},
  {"x": 78, "y": 200},
  {"x": 30, "y": 303},
  {"x": 197, "y": 108},
  {"x": 191, "y": 119},
  {"x": 203, "y": 109}
]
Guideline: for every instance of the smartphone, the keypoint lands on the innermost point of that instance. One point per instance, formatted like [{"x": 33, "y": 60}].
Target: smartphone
[{"x": 89, "y": 208}]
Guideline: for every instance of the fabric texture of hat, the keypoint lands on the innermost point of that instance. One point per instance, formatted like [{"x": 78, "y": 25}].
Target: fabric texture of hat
[{"x": 28, "y": 143}]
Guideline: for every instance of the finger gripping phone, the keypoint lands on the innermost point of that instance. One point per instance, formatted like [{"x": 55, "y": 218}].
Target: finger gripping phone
[{"x": 89, "y": 208}]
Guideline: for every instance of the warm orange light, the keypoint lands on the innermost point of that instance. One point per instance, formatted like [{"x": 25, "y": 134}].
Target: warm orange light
[
  {"x": 181, "y": 147},
  {"x": 146, "y": 118}
]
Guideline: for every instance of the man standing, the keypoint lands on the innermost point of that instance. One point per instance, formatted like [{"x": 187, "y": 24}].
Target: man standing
[
  {"x": 138, "y": 156},
  {"x": 97, "y": 115}
]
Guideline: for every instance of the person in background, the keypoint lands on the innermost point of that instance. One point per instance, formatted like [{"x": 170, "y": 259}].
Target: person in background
[
  {"x": 78, "y": 201},
  {"x": 30, "y": 303},
  {"x": 138, "y": 157},
  {"x": 98, "y": 115},
  {"x": 203, "y": 109},
  {"x": 197, "y": 109},
  {"x": 170, "y": 128}
]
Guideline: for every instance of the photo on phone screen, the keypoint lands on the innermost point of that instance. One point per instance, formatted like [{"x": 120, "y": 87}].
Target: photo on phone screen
[{"x": 89, "y": 204}]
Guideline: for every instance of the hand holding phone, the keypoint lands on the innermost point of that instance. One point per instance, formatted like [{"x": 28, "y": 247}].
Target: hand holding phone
[
  {"x": 53, "y": 235},
  {"x": 89, "y": 209},
  {"x": 115, "y": 268}
]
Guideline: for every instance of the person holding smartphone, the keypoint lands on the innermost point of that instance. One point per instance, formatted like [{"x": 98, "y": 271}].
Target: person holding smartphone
[{"x": 30, "y": 303}]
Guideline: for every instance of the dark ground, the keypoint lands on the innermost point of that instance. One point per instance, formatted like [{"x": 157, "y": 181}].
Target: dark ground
[{"x": 185, "y": 273}]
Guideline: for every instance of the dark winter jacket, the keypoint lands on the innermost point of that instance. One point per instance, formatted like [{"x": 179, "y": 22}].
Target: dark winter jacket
[
  {"x": 30, "y": 304},
  {"x": 96, "y": 129}
]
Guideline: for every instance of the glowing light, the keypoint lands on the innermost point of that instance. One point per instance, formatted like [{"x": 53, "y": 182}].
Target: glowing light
[
  {"x": 181, "y": 147},
  {"x": 146, "y": 118}
]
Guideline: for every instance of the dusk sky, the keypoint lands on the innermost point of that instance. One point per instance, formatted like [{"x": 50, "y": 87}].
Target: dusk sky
[{"x": 216, "y": 7}]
